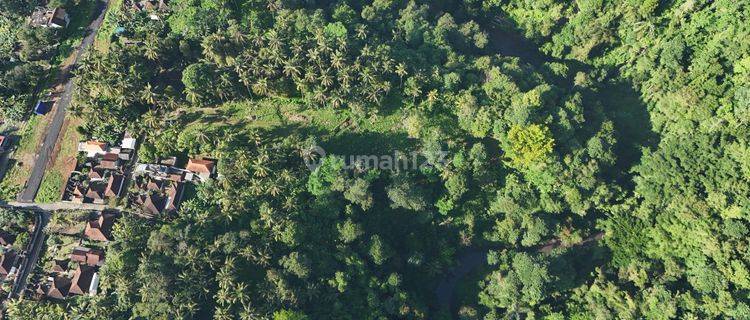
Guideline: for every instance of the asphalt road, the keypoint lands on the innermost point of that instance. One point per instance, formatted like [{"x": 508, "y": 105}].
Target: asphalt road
[
  {"x": 42, "y": 158},
  {"x": 32, "y": 254}
]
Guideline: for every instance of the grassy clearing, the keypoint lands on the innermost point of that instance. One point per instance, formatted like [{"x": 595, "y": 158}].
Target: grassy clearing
[
  {"x": 49, "y": 190},
  {"x": 63, "y": 162},
  {"x": 59, "y": 248},
  {"x": 19, "y": 167},
  {"x": 31, "y": 133},
  {"x": 68, "y": 222},
  {"x": 334, "y": 128}
]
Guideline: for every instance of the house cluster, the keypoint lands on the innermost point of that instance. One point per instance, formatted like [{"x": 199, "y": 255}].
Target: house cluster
[
  {"x": 13, "y": 242},
  {"x": 160, "y": 187},
  {"x": 152, "y": 7},
  {"x": 50, "y": 18},
  {"x": 77, "y": 272},
  {"x": 101, "y": 176}
]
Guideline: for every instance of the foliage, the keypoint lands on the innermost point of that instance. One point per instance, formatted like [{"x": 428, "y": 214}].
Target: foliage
[{"x": 600, "y": 158}]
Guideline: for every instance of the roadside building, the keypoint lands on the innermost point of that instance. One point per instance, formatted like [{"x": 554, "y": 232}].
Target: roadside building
[
  {"x": 50, "y": 18},
  {"x": 59, "y": 287},
  {"x": 7, "y": 263},
  {"x": 93, "y": 148}
]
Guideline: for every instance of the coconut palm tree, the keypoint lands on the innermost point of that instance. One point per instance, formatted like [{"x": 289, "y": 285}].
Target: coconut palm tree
[
  {"x": 151, "y": 48},
  {"x": 337, "y": 60},
  {"x": 151, "y": 120},
  {"x": 361, "y": 32},
  {"x": 193, "y": 96},
  {"x": 325, "y": 79},
  {"x": 291, "y": 69},
  {"x": 260, "y": 87},
  {"x": 260, "y": 168},
  {"x": 401, "y": 72},
  {"x": 148, "y": 95}
]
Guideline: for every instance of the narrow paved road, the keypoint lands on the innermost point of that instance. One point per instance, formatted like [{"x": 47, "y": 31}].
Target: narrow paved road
[
  {"x": 42, "y": 217},
  {"x": 42, "y": 158},
  {"x": 32, "y": 254},
  {"x": 58, "y": 206}
]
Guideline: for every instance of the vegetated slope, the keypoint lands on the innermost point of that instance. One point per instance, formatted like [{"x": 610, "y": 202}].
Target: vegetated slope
[
  {"x": 540, "y": 156},
  {"x": 679, "y": 243}
]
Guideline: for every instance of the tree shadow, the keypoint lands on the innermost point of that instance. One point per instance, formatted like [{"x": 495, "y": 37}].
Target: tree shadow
[
  {"x": 625, "y": 107},
  {"x": 621, "y": 103},
  {"x": 575, "y": 266}
]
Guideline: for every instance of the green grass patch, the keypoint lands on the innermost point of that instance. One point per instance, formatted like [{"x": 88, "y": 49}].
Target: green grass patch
[
  {"x": 9, "y": 190},
  {"x": 18, "y": 171},
  {"x": 337, "y": 130},
  {"x": 107, "y": 29},
  {"x": 49, "y": 190},
  {"x": 30, "y": 135},
  {"x": 68, "y": 222}
]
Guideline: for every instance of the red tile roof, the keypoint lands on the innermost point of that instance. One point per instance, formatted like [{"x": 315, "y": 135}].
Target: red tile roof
[
  {"x": 99, "y": 229},
  {"x": 59, "y": 288},
  {"x": 200, "y": 166},
  {"x": 82, "y": 280}
]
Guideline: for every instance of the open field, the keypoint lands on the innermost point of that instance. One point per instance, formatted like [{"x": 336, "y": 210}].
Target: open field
[
  {"x": 22, "y": 160},
  {"x": 63, "y": 162},
  {"x": 335, "y": 129}
]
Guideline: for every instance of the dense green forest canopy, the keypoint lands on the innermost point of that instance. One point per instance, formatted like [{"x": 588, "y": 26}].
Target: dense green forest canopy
[{"x": 597, "y": 160}]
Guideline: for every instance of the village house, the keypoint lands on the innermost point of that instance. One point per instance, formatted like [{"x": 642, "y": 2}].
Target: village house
[
  {"x": 59, "y": 287},
  {"x": 60, "y": 266},
  {"x": 85, "y": 281},
  {"x": 160, "y": 187},
  {"x": 102, "y": 175},
  {"x": 159, "y": 196},
  {"x": 93, "y": 148},
  {"x": 197, "y": 169},
  {"x": 87, "y": 256},
  {"x": 152, "y": 7},
  {"x": 7, "y": 263},
  {"x": 50, "y": 18},
  {"x": 6, "y": 239},
  {"x": 100, "y": 227},
  {"x": 109, "y": 161},
  {"x": 202, "y": 168},
  {"x": 95, "y": 194}
]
